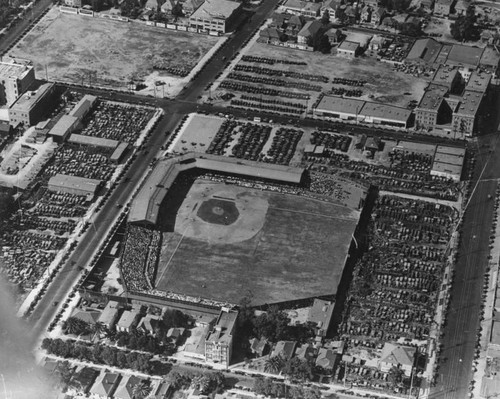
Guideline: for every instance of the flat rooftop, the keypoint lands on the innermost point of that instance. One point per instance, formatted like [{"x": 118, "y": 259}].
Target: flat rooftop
[
  {"x": 386, "y": 112},
  {"x": 13, "y": 70},
  {"x": 426, "y": 50},
  {"x": 336, "y": 104},
  {"x": 29, "y": 99},
  {"x": 479, "y": 81},
  {"x": 93, "y": 141},
  {"x": 349, "y": 45},
  {"x": 69, "y": 181},
  {"x": 490, "y": 58},
  {"x": 469, "y": 105},
  {"x": 432, "y": 98},
  {"x": 215, "y": 9},
  {"x": 223, "y": 329},
  {"x": 466, "y": 56},
  {"x": 445, "y": 75},
  {"x": 457, "y": 151}
]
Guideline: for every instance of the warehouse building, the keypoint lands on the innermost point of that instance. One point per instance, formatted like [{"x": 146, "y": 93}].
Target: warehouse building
[
  {"x": 74, "y": 185},
  {"x": 93, "y": 141},
  {"x": 448, "y": 162},
  {"x": 62, "y": 129},
  {"x": 33, "y": 106},
  {"x": 83, "y": 107},
  {"x": 15, "y": 79},
  {"x": 215, "y": 16},
  {"x": 339, "y": 107}
]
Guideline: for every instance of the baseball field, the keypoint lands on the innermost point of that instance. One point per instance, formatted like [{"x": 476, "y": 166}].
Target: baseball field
[{"x": 229, "y": 241}]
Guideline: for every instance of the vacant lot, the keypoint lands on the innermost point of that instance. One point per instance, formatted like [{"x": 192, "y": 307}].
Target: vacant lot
[
  {"x": 383, "y": 83},
  {"x": 298, "y": 250},
  {"x": 101, "y": 52}
]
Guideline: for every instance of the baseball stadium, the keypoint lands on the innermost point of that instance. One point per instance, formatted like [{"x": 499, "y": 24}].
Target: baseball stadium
[{"x": 213, "y": 229}]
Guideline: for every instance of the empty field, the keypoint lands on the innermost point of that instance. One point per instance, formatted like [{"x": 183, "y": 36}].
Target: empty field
[
  {"x": 281, "y": 247},
  {"x": 102, "y": 52}
]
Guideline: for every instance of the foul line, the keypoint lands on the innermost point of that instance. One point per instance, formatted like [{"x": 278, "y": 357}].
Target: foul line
[
  {"x": 312, "y": 213},
  {"x": 171, "y": 256}
]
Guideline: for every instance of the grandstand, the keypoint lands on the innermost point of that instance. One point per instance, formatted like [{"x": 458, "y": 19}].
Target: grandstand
[{"x": 229, "y": 227}]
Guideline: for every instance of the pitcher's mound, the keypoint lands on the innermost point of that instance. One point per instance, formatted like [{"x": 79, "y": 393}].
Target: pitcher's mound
[{"x": 217, "y": 211}]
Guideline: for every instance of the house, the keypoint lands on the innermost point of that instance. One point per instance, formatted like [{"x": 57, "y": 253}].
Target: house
[
  {"x": 379, "y": 14},
  {"x": 378, "y": 42},
  {"x": 151, "y": 5},
  {"x": 270, "y": 35},
  {"x": 163, "y": 391},
  {"x": 305, "y": 352},
  {"x": 461, "y": 7},
  {"x": 190, "y": 6},
  {"x": 279, "y": 20},
  {"x": 150, "y": 324},
  {"x": 426, "y": 5},
  {"x": 259, "y": 347},
  {"x": 351, "y": 13},
  {"x": 73, "y": 3},
  {"x": 330, "y": 6},
  {"x": 442, "y": 7},
  {"x": 348, "y": 49},
  {"x": 105, "y": 386},
  {"x": 490, "y": 37},
  {"x": 109, "y": 314},
  {"x": 334, "y": 35},
  {"x": 308, "y": 31},
  {"x": 125, "y": 389},
  {"x": 168, "y": 6},
  {"x": 127, "y": 321},
  {"x": 398, "y": 356},
  {"x": 372, "y": 144},
  {"x": 366, "y": 14},
  {"x": 326, "y": 359},
  {"x": 285, "y": 349},
  {"x": 90, "y": 316},
  {"x": 371, "y": 3},
  {"x": 294, "y": 25},
  {"x": 83, "y": 380},
  {"x": 175, "y": 334},
  {"x": 320, "y": 315}
]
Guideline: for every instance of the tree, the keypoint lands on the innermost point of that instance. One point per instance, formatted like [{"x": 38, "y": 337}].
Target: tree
[
  {"x": 75, "y": 326},
  {"x": 201, "y": 382},
  {"x": 178, "y": 380},
  {"x": 141, "y": 390},
  {"x": 325, "y": 18},
  {"x": 121, "y": 359},
  {"x": 274, "y": 364},
  {"x": 272, "y": 325},
  {"x": 108, "y": 356},
  {"x": 98, "y": 328},
  {"x": 395, "y": 375},
  {"x": 464, "y": 28},
  {"x": 299, "y": 369},
  {"x": 315, "y": 393},
  {"x": 177, "y": 10}
]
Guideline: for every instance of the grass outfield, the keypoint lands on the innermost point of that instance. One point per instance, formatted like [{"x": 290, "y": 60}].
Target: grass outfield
[
  {"x": 72, "y": 46},
  {"x": 299, "y": 252}
]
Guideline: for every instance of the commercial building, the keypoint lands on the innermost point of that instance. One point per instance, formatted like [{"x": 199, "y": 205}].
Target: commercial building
[
  {"x": 219, "y": 341},
  {"x": 63, "y": 127},
  {"x": 305, "y": 8},
  {"x": 33, "y": 106},
  {"x": 363, "y": 111},
  {"x": 490, "y": 60},
  {"x": 432, "y": 108},
  {"x": 74, "y": 185},
  {"x": 93, "y": 141},
  {"x": 15, "y": 79},
  {"x": 448, "y": 162},
  {"x": 464, "y": 56},
  {"x": 348, "y": 49},
  {"x": 83, "y": 107},
  {"x": 424, "y": 51},
  {"x": 126, "y": 321},
  {"x": 215, "y": 16}
]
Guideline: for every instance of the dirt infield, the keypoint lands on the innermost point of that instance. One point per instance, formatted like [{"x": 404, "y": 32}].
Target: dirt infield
[{"x": 286, "y": 248}]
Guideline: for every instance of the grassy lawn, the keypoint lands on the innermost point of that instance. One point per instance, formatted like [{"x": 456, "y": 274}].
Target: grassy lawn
[
  {"x": 383, "y": 83},
  {"x": 299, "y": 252},
  {"x": 80, "y": 49}
]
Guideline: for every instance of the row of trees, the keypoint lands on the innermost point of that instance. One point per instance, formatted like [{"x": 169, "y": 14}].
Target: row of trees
[
  {"x": 268, "y": 387},
  {"x": 207, "y": 383},
  {"x": 99, "y": 354}
]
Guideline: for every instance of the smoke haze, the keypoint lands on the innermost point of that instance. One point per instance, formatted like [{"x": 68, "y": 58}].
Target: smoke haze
[{"x": 20, "y": 377}]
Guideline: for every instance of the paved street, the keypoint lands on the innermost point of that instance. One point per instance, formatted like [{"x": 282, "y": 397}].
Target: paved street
[{"x": 464, "y": 311}]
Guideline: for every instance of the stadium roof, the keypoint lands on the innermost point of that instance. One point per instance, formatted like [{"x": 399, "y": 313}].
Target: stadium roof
[
  {"x": 464, "y": 55},
  {"x": 95, "y": 141},
  {"x": 386, "y": 112},
  {"x": 426, "y": 50},
  {"x": 336, "y": 104},
  {"x": 29, "y": 99},
  {"x": 80, "y": 183},
  {"x": 146, "y": 205},
  {"x": 63, "y": 126},
  {"x": 215, "y": 9}
]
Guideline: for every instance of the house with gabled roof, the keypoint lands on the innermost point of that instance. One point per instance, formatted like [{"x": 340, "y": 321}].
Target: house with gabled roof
[
  {"x": 305, "y": 352},
  {"x": 168, "y": 6},
  {"x": 334, "y": 35},
  {"x": 270, "y": 35},
  {"x": 308, "y": 31},
  {"x": 125, "y": 389},
  {"x": 285, "y": 349},
  {"x": 89, "y": 316},
  {"x": 190, "y": 6},
  {"x": 327, "y": 359},
  {"x": 83, "y": 379},
  {"x": 105, "y": 386},
  {"x": 259, "y": 347},
  {"x": 150, "y": 324},
  {"x": 399, "y": 356}
]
